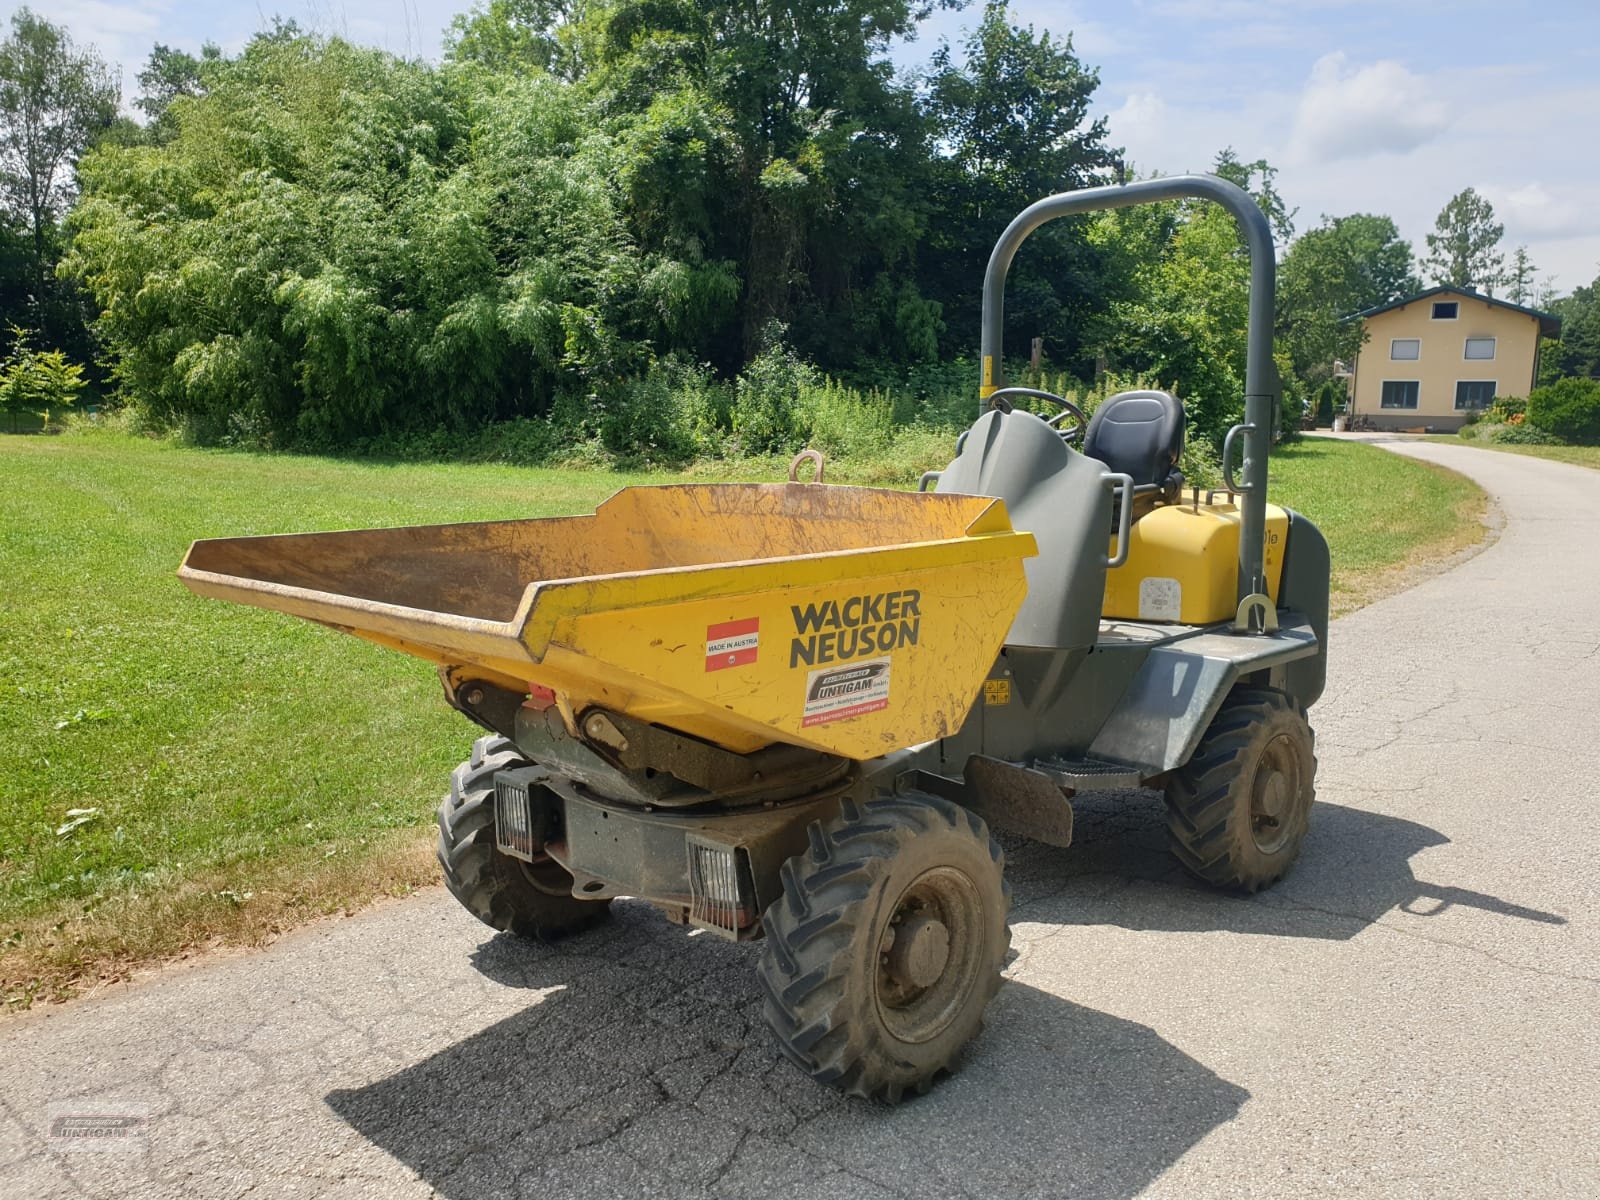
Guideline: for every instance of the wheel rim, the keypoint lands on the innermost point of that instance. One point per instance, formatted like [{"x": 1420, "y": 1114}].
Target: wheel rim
[
  {"x": 1276, "y": 795},
  {"x": 930, "y": 953}
]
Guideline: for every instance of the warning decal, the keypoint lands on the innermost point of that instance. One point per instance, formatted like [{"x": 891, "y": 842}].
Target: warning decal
[
  {"x": 836, "y": 693},
  {"x": 732, "y": 643}
]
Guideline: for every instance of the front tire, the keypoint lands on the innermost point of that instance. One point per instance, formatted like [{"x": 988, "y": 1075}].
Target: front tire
[
  {"x": 1239, "y": 809},
  {"x": 886, "y": 945},
  {"x": 533, "y": 900}
]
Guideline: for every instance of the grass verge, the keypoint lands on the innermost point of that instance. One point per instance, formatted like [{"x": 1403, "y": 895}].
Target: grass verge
[
  {"x": 239, "y": 773},
  {"x": 1577, "y": 456},
  {"x": 1387, "y": 518}
]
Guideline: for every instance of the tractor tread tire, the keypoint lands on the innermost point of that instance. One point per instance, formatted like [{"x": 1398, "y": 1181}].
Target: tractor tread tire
[
  {"x": 1208, "y": 819},
  {"x": 492, "y": 886},
  {"x": 812, "y": 998}
]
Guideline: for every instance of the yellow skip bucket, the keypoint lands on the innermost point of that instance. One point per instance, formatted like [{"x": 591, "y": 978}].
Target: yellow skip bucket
[{"x": 855, "y": 621}]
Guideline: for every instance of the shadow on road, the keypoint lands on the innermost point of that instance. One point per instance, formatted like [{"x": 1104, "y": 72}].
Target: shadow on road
[
  {"x": 643, "y": 1069},
  {"x": 1356, "y": 866},
  {"x": 641, "y": 1066}
]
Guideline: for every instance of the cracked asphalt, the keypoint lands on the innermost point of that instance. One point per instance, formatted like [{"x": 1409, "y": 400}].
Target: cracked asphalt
[{"x": 1412, "y": 1013}]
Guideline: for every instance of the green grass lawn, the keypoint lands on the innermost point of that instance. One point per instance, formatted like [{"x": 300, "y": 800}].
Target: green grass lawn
[
  {"x": 247, "y": 771},
  {"x": 1578, "y": 456},
  {"x": 1380, "y": 513}
]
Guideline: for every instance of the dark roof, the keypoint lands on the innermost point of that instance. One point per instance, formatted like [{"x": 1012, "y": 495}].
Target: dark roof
[{"x": 1549, "y": 323}]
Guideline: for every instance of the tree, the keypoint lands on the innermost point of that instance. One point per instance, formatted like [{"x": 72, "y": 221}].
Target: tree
[
  {"x": 382, "y": 246},
  {"x": 778, "y": 130},
  {"x": 53, "y": 102},
  {"x": 1181, "y": 320},
  {"x": 1463, "y": 250},
  {"x": 168, "y": 74},
  {"x": 1519, "y": 278},
  {"x": 1246, "y": 175},
  {"x": 513, "y": 35},
  {"x": 1578, "y": 351},
  {"x": 1010, "y": 123},
  {"x": 1343, "y": 266},
  {"x": 33, "y": 381}
]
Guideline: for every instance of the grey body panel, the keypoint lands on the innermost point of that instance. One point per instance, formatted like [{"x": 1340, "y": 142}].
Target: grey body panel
[
  {"x": 1061, "y": 498},
  {"x": 1182, "y": 683},
  {"x": 1303, "y": 588}
]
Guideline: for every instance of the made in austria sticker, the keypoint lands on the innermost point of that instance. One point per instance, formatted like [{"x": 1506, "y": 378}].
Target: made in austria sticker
[
  {"x": 732, "y": 644},
  {"x": 838, "y": 693}
]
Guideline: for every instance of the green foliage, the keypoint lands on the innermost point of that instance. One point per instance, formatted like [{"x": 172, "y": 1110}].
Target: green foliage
[
  {"x": 1184, "y": 325},
  {"x": 1463, "y": 250},
  {"x": 34, "y": 381},
  {"x": 1578, "y": 350},
  {"x": 55, "y": 100},
  {"x": 1519, "y": 278},
  {"x": 168, "y": 74},
  {"x": 334, "y": 244},
  {"x": 1568, "y": 409},
  {"x": 1258, "y": 178},
  {"x": 1525, "y": 434},
  {"x": 1011, "y": 119},
  {"x": 1505, "y": 410},
  {"x": 1343, "y": 266}
]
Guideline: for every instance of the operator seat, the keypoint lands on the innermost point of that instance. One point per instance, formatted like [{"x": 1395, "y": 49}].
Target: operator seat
[{"x": 1140, "y": 434}]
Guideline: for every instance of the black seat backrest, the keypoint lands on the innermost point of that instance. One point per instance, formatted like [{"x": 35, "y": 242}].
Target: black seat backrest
[{"x": 1139, "y": 434}]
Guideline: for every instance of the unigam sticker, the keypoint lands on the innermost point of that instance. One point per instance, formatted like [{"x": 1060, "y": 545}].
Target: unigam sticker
[{"x": 838, "y": 693}]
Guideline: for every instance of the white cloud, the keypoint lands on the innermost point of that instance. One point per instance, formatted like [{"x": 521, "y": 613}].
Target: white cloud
[
  {"x": 1347, "y": 113},
  {"x": 1533, "y": 210}
]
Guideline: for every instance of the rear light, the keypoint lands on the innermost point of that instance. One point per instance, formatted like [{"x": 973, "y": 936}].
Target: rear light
[
  {"x": 513, "y": 818},
  {"x": 721, "y": 890}
]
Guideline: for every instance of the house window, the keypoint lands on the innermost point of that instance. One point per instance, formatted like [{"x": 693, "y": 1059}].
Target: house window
[
  {"x": 1480, "y": 348},
  {"x": 1400, "y": 393},
  {"x": 1405, "y": 349},
  {"x": 1445, "y": 310},
  {"x": 1475, "y": 393}
]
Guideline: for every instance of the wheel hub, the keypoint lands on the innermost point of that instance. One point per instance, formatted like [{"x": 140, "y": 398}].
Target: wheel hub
[
  {"x": 920, "y": 951},
  {"x": 929, "y": 954},
  {"x": 1274, "y": 795}
]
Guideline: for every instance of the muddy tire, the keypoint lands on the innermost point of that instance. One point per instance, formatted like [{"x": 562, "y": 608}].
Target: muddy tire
[
  {"x": 534, "y": 900},
  {"x": 1239, "y": 809},
  {"x": 886, "y": 945}
]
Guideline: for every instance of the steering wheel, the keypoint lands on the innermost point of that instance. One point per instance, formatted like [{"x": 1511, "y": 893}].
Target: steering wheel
[{"x": 1000, "y": 401}]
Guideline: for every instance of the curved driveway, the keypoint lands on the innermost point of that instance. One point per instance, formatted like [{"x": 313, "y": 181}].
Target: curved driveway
[{"x": 1414, "y": 1012}]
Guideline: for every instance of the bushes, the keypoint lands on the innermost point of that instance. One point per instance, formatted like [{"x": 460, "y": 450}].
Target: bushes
[
  {"x": 1506, "y": 410},
  {"x": 1523, "y": 434},
  {"x": 34, "y": 381},
  {"x": 1568, "y": 409}
]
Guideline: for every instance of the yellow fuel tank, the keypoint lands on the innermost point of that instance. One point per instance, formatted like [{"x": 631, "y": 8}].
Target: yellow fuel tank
[{"x": 1183, "y": 564}]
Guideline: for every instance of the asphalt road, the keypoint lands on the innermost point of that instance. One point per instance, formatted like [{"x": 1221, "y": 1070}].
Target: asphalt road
[{"x": 1414, "y": 1012}]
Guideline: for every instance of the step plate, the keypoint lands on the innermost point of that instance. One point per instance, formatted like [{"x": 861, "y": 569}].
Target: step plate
[{"x": 1090, "y": 775}]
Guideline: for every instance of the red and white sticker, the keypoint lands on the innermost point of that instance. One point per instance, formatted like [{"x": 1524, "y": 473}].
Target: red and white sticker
[
  {"x": 836, "y": 693},
  {"x": 732, "y": 643}
]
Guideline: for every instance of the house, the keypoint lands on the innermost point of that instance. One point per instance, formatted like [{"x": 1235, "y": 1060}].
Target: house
[{"x": 1431, "y": 359}]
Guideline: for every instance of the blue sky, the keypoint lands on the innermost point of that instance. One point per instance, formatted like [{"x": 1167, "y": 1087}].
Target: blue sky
[{"x": 1387, "y": 106}]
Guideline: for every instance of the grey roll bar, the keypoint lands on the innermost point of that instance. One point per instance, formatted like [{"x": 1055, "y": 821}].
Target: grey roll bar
[{"x": 1260, "y": 398}]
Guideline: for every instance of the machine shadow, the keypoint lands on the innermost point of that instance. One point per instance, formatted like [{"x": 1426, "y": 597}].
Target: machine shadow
[
  {"x": 1355, "y": 867},
  {"x": 643, "y": 1069}
]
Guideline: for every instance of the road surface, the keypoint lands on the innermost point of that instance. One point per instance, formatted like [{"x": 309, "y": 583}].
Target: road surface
[{"x": 1414, "y": 1012}]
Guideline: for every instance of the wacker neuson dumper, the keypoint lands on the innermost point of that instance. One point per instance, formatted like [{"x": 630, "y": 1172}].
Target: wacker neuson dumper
[{"x": 794, "y": 711}]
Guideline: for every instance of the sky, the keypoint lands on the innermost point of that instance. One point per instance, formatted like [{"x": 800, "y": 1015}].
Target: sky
[{"x": 1381, "y": 106}]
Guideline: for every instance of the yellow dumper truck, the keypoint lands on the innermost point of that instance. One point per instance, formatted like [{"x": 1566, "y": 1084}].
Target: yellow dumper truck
[{"x": 795, "y": 711}]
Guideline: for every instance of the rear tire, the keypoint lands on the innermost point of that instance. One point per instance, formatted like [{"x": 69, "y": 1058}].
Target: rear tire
[
  {"x": 533, "y": 900},
  {"x": 1239, "y": 809},
  {"x": 886, "y": 945}
]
